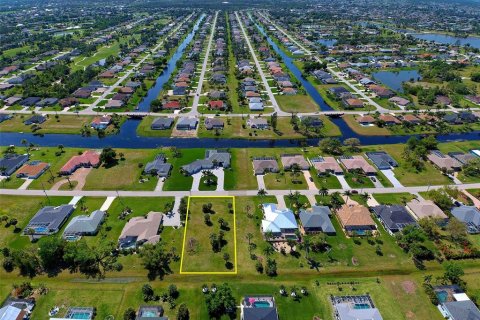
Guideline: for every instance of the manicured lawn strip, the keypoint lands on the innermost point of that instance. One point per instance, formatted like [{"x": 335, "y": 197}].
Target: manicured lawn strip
[
  {"x": 358, "y": 181},
  {"x": 240, "y": 176},
  {"x": 125, "y": 175},
  {"x": 303, "y": 201},
  {"x": 328, "y": 181},
  {"x": 144, "y": 129},
  {"x": 383, "y": 179},
  {"x": 177, "y": 180},
  {"x": 11, "y": 182},
  {"x": 283, "y": 180},
  {"x": 204, "y": 187},
  {"x": 296, "y": 103},
  {"x": 393, "y": 198},
  {"x": 200, "y": 257}
]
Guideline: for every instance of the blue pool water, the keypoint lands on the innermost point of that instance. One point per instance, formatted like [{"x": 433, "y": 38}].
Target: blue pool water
[
  {"x": 361, "y": 306},
  {"x": 442, "y": 296},
  {"x": 81, "y": 315},
  {"x": 261, "y": 304}
]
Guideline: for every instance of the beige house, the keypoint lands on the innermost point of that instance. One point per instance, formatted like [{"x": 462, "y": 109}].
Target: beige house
[
  {"x": 325, "y": 165},
  {"x": 425, "y": 209},
  {"x": 140, "y": 230},
  {"x": 289, "y": 160},
  {"x": 355, "y": 218},
  {"x": 358, "y": 163}
]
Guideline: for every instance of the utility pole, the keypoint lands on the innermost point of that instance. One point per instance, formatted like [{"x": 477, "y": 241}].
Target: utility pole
[{"x": 46, "y": 195}]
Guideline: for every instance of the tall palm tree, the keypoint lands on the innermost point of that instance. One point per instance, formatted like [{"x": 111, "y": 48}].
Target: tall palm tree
[
  {"x": 347, "y": 193},
  {"x": 262, "y": 192},
  {"x": 323, "y": 191}
]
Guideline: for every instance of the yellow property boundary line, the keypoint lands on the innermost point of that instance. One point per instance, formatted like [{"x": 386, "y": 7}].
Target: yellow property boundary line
[{"x": 234, "y": 239}]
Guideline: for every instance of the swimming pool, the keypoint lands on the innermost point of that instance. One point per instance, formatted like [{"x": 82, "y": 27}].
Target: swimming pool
[
  {"x": 149, "y": 314},
  {"x": 261, "y": 304},
  {"x": 81, "y": 315},
  {"x": 361, "y": 306},
  {"x": 442, "y": 296}
]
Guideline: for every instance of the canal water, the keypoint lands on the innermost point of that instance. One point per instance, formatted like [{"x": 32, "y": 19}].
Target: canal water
[
  {"x": 394, "y": 79},
  {"x": 154, "y": 91},
  {"x": 474, "y": 42},
  {"x": 309, "y": 88}
]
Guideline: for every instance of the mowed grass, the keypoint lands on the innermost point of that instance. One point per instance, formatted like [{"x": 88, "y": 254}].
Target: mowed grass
[
  {"x": 296, "y": 103},
  {"x": 285, "y": 180},
  {"x": 240, "y": 176},
  {"x": 197, "y": 253},
  {"x": 126, "y": 174},
  {"x": 68, "y": 124},
  {"x": 177, "y": 180},
  {"x": 352, "y": 122},
  {"x": 144, "y": 129},
  {"x": 393, "y": 198}
]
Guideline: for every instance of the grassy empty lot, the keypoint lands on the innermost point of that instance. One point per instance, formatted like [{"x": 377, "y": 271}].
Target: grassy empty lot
[
  {"x": 285, "y": 180},
  {"x": 297, "y": 103},
  {"x": 177, "y": 180},
  {"x": 198, "y": 254},
  {"x": 125, "y": 175},
  {"x": 63, "y": 124},
  {"x": 393, "y": 198},
  {"x": 240, "y": 176}
]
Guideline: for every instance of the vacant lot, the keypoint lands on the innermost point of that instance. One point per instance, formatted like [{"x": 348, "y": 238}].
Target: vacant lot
[{"x": 209, "y": 246}]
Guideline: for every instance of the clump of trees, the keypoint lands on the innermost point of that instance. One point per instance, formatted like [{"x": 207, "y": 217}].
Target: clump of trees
[
  {"x": 221, "y": 302},
  {"x": 416, "y": 151}
]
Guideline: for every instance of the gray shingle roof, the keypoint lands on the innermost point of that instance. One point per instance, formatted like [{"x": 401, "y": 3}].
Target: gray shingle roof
[
  {"x": 50, "y": 219},
  {"x": 212, "y": 157},
  {"x": 462, "y": 310},
  {"x": 317, "y": 217},
  {"x": 84, "y": 224},
  {"x": 158, "y": 166},
  {"x": 11, "y": 162},
  {"x": 260, "y": 314},
  {"x": 382, "y": 160},
  {"x": 394, "y": 217}
]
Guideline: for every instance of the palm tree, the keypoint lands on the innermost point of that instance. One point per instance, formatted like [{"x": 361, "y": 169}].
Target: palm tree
[
  {"x": 347, "y": 193},
  {"x": 335, "y": 200},
  {"x": 262, "y": 192},
  {"x": 323, "y": 191},
  {"x": 268, "y": 235},
  {"x": 365, "y": 196},
  {"x": 306, "y": 245}
]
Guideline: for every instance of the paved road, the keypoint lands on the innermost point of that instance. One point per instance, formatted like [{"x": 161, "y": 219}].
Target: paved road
[
  {"x": 129, "y": 72},
  {"x": 273, "y": 101},
  {"x": 237, "y": 193},
  {"x": 196, "y": 98}
]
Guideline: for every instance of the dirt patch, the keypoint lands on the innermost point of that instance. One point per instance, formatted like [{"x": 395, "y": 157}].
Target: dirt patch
[
  {"x": 409, "y": 286},
  {"x": 411, "y": 315},
  {"x": 355, "y": 261}
]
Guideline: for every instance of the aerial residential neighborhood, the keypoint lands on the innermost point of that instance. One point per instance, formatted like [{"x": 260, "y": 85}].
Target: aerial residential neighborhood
[{"x": 250, "y": 160}]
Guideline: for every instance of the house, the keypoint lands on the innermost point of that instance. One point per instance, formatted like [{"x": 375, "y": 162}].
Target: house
[
  {"x": 389, "y": 119},
  {"x": 393, "y": 217},
  {"x": 352, "y": 163},
  {"x": 140, "y": 230},
  {"x": 280, "y": 222},
  {"x": 352, "y": 103},
  {"x": 17, "y": 309},
  {"x": 339, "y": 92},
  {"x": 101, "y": 122},
  {"x": 35, "y": 119},
  {"x": 150, "y": 313},
  {"x": 215, "y": 94},
  {"x": 256, "y": 106},
  {"x": 161, "y": 123},
  {"x": 46, "y": 102},
  {"x": 317, "y": 219},
  {"x": 158, "y": 166},
  {"x": 216, "y": 104},
  {"x": 49, "y": 220},
  {"x": 213, "y": 123},
  {"x": 410, "y": 118},
  {"x": 11, "y": 162},
  {"x": 326, "y": 165},
  {"x": 5, "y": 117},
  {"x": 366, "y": 120},
  {"x": 32, "y": 170},
  {"x": 187, "y": 123},
  {"x": 82, "y": 93},
  {"x": 380, "y": 91},
  {"x": 68, "y": 102},
  {"x": 258, "y": 308},
  {"x": 443, "y": 100},
  {"x": 355, "y": 308},
  {"x": 290, "y": 160},
  {"x": 425, "y": 209},
  {"x": 126, "y": 90},
  {"x": 264, "y": 165},
  {"x": 30, "y": 101},
  {"x": 88, "y": 159},
  {"x": 114, "y": 104},
  {"x": 400, "y": 102},
  {"x": 444, "y": 162},
  {"x": 454, "y": 304},
  {"x": 355, "y": 218},
  {"x": 258, "y": 123},
  {"x": 213, "y": 159},
  {"x": 382, "y": 160},
  {"x": 171, "y": 105},
  {"x": 84, "y": 225},
  {"x": 461, "y": 157},
  {"x": 470, "y": 216},
  {"x": 12, "y": 100}
]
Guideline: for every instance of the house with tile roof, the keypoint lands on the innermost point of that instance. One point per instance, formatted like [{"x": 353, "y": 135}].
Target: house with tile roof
[
  {"x": 32, "y": 170},
  {"x": 355, "y": 218},
  {"x": 88, "y": 159},
  {"x": 425, "y": 209},
  {"x": 140, "y": 230}
]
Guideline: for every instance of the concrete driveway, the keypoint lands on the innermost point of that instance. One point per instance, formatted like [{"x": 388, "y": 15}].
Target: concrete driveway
[
  {"x": 391, "y": 177},
  {"x": 196, "y": 181},
  {"x": 311, "y": 184},
  {"x": 343, "y": 182},
  {"x": 220, "y": 174},
  {"x": 376, "y": 182},
  {"x": 172, "y": 219},
  {"x": 261, "y": 182}
]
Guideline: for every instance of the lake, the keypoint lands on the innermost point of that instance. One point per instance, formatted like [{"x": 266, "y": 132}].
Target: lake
[
  {"x": 394, "y": 79},
  {"x": 448, "y": 39}
]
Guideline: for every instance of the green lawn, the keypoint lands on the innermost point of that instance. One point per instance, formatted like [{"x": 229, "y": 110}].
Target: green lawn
[
  {"x": 297, "y": 103},
  {"x": 126, "y": 174},
  {"x": 240, "y": 176},
  {"x": 55, "y": 124},
  {"x": 197, "y": 253},
  {"x": 144, "y": 129},
  {"x": 177, "y": 180},
  {"x": 393, "y": 198},
  {"x": 358, "y": 181},
  {"x": 285, "y": 180}
]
